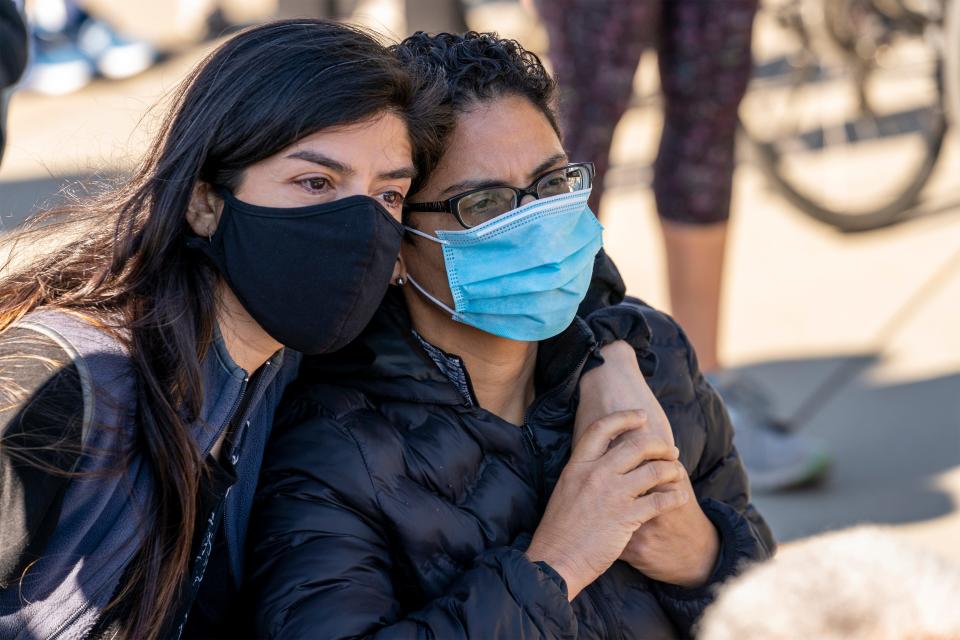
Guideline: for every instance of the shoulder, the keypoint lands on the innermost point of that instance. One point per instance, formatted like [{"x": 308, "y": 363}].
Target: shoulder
[
  {"x": 100, "y": 352},
  {"x": 327, "y": 436},
  {"x": 665, "y": 332},
  {"x": 41, "y": 394},
  {"x": 676, "y": 366},
  {"x": 48, "y": 347}
]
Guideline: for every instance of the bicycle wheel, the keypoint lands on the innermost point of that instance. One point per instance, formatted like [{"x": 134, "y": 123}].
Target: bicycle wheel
[
  {"x": 951, "y": 62},
  {"x": 848, "y": 129}
]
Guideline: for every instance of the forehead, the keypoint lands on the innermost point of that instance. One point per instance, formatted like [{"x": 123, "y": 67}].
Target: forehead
[
  {"x": 377, "y": 140},
  {"x": 501, "y": 137}
]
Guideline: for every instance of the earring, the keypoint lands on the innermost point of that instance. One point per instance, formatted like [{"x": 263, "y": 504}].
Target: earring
[{"x": 401, "y": 281}]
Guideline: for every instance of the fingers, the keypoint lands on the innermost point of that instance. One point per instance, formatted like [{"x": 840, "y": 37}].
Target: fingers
[
  {"x": 656, "y": 503},
  {"x": 597, "y": 437},
  {"x": 654, "y": 475},
  {"x": 637, "y": 447}
]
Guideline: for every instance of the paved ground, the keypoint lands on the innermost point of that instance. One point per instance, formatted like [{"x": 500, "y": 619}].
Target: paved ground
[{"x": 871, "y": 318}]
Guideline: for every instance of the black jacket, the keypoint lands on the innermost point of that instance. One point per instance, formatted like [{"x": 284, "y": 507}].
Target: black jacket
[
  {"x": 13, "y": 44},
  {"x": 391, "y": 507}
]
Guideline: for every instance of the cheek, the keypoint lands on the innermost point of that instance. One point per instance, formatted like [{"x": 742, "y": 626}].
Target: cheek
[{"x": 424, "y": 260}]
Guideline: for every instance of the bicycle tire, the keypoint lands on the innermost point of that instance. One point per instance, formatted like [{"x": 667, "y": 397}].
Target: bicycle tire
[
  {"x": 864, "y": 219},
  {"x": 850, "y": 221}
]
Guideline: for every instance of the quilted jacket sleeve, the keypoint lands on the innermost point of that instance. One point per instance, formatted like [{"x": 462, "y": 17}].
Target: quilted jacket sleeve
[
  {"x": 321, "y": 564},
  {"x": 668, "y": 360},
  {"x": 721, "y": 486}
]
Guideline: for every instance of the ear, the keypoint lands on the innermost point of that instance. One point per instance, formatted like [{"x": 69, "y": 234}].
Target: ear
[
  {"x": 399, "y": 271},
  {"x": 203, "y": 212}
]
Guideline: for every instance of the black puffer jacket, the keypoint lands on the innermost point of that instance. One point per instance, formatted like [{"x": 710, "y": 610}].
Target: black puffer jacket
[{"x": 390, "y": 507}]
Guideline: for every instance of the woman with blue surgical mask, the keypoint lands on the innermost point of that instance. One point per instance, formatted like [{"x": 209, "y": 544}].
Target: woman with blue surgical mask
[{"x": 469, "y": 467}]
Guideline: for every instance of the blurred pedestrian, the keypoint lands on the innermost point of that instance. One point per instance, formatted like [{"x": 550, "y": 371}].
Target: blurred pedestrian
[
  {"x": 705, "y": 63},
  {"x": 13, "y": 58},
  {"x": 71, "y": 46}
]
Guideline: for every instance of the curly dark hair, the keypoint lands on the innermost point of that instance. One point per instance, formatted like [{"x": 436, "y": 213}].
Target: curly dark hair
[{"x": 477, "y": 67}]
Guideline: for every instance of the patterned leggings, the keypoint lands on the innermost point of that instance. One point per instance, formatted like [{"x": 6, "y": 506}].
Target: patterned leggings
[{"x": 704, "y": 57}]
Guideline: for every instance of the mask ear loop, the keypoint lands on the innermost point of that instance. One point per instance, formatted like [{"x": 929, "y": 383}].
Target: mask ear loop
[
  {"x": 417, "y": 232},
  {"x": 430, "y": 297}
]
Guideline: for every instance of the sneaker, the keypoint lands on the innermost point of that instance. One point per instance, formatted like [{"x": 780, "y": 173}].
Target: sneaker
[
  {"x": 115, "y": 56},
  {"x": 57, "y": 67},
  {"x": 775, "y": 457}
]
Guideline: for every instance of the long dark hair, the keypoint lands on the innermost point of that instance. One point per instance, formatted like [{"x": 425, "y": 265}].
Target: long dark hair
[{"x": 124, "y": 263}]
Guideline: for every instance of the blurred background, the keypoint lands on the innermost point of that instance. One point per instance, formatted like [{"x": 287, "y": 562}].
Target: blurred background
[{"x": 842, "y": 283}]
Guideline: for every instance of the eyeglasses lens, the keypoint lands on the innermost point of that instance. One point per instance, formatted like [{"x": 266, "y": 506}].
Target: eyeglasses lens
[{"x": 482, "y": 206}]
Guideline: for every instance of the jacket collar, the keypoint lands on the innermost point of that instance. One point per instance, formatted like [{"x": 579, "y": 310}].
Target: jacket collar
[
  {"x": 387, "y": 361},
  {"x": 225, "y": 384}
]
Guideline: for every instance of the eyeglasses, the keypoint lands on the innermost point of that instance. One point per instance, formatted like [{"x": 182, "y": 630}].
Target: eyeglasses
[{"x": 475, "y": 207}]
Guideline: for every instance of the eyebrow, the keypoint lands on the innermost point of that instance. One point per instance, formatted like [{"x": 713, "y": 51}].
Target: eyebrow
[
  {"x": 467, "y": 185},
  {"x": 408, "y": 172}
]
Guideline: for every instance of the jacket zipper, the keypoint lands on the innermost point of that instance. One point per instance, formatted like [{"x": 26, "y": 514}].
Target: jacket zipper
[
  {"x": 224, "y": 518},
  {"x": 555, "y": 391},
  {"x": 234, "y": 453},
  {"x": 538, "y": 452},
  {"x": 233, "y": 414}
]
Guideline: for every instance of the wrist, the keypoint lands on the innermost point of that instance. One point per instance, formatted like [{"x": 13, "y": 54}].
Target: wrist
[
  {"x": 705, "y": 562},
  {"x": 561, "y": 564}
]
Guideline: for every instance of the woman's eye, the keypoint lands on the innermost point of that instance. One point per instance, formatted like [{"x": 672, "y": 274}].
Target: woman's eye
[
  {"x": 557, "y": 182},
  {"x": 393, "y": 198},
  {"x": 315, "y": 184}
]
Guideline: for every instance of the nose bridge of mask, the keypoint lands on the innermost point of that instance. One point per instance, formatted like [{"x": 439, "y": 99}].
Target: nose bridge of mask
[
  {"x": 519, "y": 217},
  {"x": 542, "y": 206}
]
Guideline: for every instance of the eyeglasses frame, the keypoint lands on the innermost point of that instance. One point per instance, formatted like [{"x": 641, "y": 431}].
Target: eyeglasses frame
[{"x": 451, "y": 205}]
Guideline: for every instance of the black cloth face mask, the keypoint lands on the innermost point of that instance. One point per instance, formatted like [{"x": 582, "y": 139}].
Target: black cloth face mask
[{"x": 311, "y": 276}]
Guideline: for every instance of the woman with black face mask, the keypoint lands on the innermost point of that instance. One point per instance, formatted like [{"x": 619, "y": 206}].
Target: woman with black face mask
[{"x": 147, "y": 338}]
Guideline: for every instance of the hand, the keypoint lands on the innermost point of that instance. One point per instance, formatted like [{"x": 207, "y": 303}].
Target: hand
[
  {"x": 679, "y": 547},
  {"x": 618, "y": 385},
  {"x": 603, "y": 496}
]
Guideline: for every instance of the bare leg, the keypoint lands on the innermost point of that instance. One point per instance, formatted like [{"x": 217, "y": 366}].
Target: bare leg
[{"x": 695, "y": 259}]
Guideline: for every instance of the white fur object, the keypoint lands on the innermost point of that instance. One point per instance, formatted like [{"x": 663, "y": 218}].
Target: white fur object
[{"x": 860, "y": 584}]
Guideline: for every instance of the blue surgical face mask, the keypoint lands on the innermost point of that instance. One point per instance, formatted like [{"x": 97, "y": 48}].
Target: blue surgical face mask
[{"x": 523, "y": 274}]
